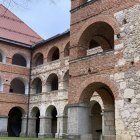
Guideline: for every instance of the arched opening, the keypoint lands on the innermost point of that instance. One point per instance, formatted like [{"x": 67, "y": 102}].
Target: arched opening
[
  {"x": 52, "y": 113},
  {"x": 100, "y": 128},
  {"x": 36, "y": 113},
  {"x": 38, "y": 59},
  {"x": 65, "y": 120},
  {"x": 1, "y": 85},
  {"x": 52, "y": 82},
  {"x": 53, "y": 54},
  {"x": 96, "y": 38},
  {"x": 96, "y": 120},
  {"x": 17, "y": 86},
  {"x": 14, "y": 122},
  {"x": 37, "y": 86},
  {"x": 66, "y": 50},
  {"x": 66, "y": 80},
  {"x": 19, "y": 60},
  {"x": 2, "y": 57}
]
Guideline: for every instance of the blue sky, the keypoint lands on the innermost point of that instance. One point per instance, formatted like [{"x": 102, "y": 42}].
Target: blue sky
[{"x": 43, "y": 16}]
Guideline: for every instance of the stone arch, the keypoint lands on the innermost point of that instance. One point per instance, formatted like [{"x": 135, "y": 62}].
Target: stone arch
[
  {"x": 52, "y": 82},
  {"x": 36, "y": 86},
  {"x": 35, "y": 114},
  {"x": 65, "y": 120},
  {"x": 66, "y": 50},
  {"x": 20, "y": 60},
  {"x": 2, "y": 57},
  {"x": 99, "y": 80},
  {"x": 15, "y": 121},
  {"x": 96, "y": 119},
  {"x": 112, "y": 22},
  {"x": 66, "y": 80},
  {"x": 107, "y": 90},
  {"x": 51, "y": 112},
  {"x": 38, "y": 59},
  {"x": 19, "y": 85},
  {"x": 53, "y": 54}
]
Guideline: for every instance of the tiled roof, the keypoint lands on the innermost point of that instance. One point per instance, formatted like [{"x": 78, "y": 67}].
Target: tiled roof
[{"x": 12, "y": 28}]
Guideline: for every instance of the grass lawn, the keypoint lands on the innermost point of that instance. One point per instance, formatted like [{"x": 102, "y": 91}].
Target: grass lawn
[{"x": 13, "y": 138}]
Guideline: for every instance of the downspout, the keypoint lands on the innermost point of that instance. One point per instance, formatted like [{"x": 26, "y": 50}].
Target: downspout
[{"x": 28, "y": 107}]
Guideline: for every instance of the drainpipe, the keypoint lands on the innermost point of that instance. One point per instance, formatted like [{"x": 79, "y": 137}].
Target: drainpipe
[{"x": 27, "y": 121}]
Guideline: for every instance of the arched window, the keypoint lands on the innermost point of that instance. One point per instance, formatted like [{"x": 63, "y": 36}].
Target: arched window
[
  {"x": 52, "y": 82},
  {"x": 53, "y": 54},
  {"x": 38, "y": 59},
  {"x": 37, "y": 86},
  {"x": 19, "y": 60},
  {"x": 66, "y": 50},
  {"x": 17, "y": 85},
  {"x": 96, "y": 38}
]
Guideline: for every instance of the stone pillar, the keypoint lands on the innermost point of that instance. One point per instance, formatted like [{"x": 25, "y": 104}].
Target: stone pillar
[
  {"x": 6, "y": 87},
  {"x": 61, "y": 127},
  {"x": 32, "y": 127},
  {"x": 23, "y": 127},
  {"x": 45, "y": 127},
  {"x": 108, "y": 126},
  {"x": 3, "y": 125},
  {"x": 78, "y": 122}
]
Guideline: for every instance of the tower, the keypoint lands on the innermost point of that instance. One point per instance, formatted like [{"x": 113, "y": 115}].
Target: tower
[{"x": 104, "y": 44}]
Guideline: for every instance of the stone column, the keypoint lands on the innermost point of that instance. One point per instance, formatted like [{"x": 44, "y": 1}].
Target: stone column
[
  {"x": 3, "y": 125},
  {"x": 23, "y": 127},
  {"x": 45, "y": 127},
  {"x": 108, "y": 126},
  {"x": 78, "y": 122},
  {"x": 32, "y": 127},
  {"x": 61, "y": 127}
]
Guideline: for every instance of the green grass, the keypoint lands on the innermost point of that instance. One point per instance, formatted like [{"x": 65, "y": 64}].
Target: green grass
[{"x": 13, "y": 138}]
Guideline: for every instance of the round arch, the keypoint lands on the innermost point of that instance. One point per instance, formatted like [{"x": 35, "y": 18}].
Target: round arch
[
  {"x": 51, "y": 112},
  {"x": 19, "y": 85},
  {"x": 2, "y": 57},
  {"x": 53, "y": 54},
  {"x": 36, "y": 86},
  {"x": 15, "y": 121},
  {"x": 38, "y": 59},
  {"x": 35, "y": 113},
  {"x": 99, "y": 81},
  {"x": 52, "y": 82},
  {"x": 105, "y": 18},
  {"x": 66, "y": 50},
  {"x": 20, "y": 60}
]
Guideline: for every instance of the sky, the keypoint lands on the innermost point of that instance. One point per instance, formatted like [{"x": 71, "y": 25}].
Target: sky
[{"x": 46, "y": 17}]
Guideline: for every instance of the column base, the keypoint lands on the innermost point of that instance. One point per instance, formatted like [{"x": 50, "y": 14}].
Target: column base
[
  {"x": 32, "y": 135},
  {"x": 3, "y": 134},
  {"x": 73, "y": 137},
  {"x": 46, "y": 135},
  {"x": 22, "y": 134},
  {"x": 109, "y": 137}
]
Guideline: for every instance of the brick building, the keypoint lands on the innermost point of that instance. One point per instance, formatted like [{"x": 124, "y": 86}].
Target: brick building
[{"x": 82, "y": 84}]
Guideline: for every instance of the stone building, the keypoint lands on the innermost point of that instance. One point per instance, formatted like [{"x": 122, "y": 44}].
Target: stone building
[{"x": 83, "y": 84}]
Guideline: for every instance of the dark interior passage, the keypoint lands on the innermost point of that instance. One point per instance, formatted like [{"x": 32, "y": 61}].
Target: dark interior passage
[{"x": 14, "y": 122}]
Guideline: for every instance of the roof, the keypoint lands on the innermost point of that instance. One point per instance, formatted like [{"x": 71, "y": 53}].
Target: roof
[
  {"x": 13, "y": 28},
  {"x": 52, "y": 38}
]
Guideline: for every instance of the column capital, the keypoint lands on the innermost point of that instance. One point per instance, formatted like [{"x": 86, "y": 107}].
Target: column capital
[{"x": 83, "y": 105}]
